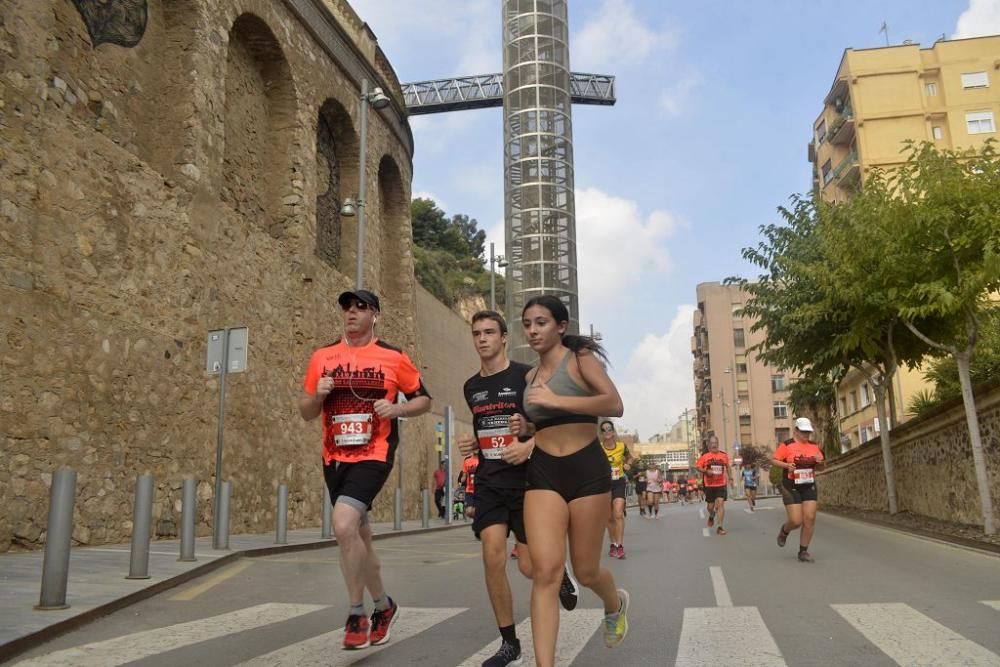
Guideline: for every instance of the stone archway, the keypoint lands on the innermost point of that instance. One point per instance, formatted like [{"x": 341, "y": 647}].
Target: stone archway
[
  {"x": 336, "y": 178},
  {"x": 395, "y": 234}
]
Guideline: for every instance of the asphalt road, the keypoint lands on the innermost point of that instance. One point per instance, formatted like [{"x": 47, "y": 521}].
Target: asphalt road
[{"x": 873, "y": 597}]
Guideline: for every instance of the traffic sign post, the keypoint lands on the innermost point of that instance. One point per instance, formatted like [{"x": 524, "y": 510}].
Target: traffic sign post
[{"x": 227, "y": 353}]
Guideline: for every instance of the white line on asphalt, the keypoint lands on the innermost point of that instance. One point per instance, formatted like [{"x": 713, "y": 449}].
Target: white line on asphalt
[
  {"x": 575, "y": 630},
  {"x": 910, "y": 638},
  {"x": 701, "y": 512},
  {"x": 139, "y": 645},
  {"x": 746, "y": 640},
  {"x": 704, "y": 532},
  {"x": 325, "y": 649},
  {"x": 722, "y": 598},
  {"x": 992, "y": 603}
]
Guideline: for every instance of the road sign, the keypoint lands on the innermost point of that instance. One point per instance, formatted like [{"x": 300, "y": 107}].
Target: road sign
[{"x": 237, "y": 356}]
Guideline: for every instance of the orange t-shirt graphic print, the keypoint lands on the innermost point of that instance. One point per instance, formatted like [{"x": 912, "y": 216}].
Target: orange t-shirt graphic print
[{"x": 361, "y": 375}]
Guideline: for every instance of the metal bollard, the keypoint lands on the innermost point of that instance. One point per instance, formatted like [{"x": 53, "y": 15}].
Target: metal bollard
[
  {"x": 326, "y": 531},
  {"x": 142, "y": 516},
  {"x": 397, "y": 510},
  {"x": 425, "y": 508},
  {"x": 227, "y": 489},
  {"x": 189, "y": 505},
  {"x": 59, "y": 532},
  {"x": 281, "y": 532}
]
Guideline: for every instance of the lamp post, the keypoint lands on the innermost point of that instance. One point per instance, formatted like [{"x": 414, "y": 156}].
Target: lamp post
[
  {"x": 377, "y": 99},
  {"x": 731, "y": 370},
  {"x": 501, "y": 262}
]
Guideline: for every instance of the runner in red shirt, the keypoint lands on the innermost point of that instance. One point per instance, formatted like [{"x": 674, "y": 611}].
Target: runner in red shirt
[
  {"x": 800, "y": 458},
  {"x": 353, "y": 384},
  {"x": 714, "y": 466}
]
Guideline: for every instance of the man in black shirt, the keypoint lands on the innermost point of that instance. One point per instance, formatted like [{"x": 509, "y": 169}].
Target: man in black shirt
[{"x": 503, "y": 440}]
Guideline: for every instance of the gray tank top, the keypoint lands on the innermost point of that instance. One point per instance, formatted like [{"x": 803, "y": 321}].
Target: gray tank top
[{"x": 562, "y": 384}]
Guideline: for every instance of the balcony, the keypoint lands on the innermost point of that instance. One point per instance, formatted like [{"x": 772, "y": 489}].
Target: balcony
[
  {"x": 847, "y": 171},
  {"x": 841, "y": 132}
]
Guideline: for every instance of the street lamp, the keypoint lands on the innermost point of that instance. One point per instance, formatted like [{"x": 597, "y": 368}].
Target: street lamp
[
  {"x": 736, "y": 406},
  {"x": 501, "y": 262},
  {"x": 378, "y": 100}
]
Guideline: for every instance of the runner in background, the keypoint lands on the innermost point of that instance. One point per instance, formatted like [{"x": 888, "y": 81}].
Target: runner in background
[
  {"x": 619, "y": 459},
  {"x": 750, "y": 479},
  {"x": 800, "y": 459},
  {"x": 640, "y": 491},
  {"x": 469, "y": 466},
  {"x": 654, "y": 489},
  {"x": 714, "y": 465}
]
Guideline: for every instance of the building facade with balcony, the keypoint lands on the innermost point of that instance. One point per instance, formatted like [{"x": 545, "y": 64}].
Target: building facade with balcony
[
  {"x": 948, "y": 93},
  {"x": 738, "y": 397}
]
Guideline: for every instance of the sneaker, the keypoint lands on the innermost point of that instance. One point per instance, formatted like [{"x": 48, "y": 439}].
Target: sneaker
[
  {"x": 782, "y": 536},
  {"x": 615, "y": 629},
  {"x": 720, "y": 530},
  {"x": 569, "y": 591},
  {"x": 356, "y": 632},
  {"x": 613, "y": 551},
  {"x": 382, "y": 622},
  {"x": 621, "y": 552},
  {"x": 805, "y": 557},
  {"x": 508, "y": 655}
]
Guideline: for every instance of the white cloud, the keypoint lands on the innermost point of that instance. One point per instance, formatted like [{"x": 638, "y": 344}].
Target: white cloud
[
  {"x": 613, "y": 37},
  {"x": 657, "y": 385},
  {"x": 617, "y": 246},
  {"x": 426, "y": 194},
  {"x": 676, "y": 97},
  {"x": 981, "y": 18}
]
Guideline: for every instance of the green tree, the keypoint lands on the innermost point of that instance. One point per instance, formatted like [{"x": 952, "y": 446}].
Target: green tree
[
  {"x": 815, "y": 396},
  {"x": 940, "y": 215}
]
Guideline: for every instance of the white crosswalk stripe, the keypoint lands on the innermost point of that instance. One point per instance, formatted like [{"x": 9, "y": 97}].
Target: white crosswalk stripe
[
  {"x": 911, "y": 638},
  {"x": 745, "y": 641},
  {"x": 575, "y": 629},
  {"x": 136, "y": 646},
  {"x": 992, "y": 603},
  {"x": 325, "y": 649}
]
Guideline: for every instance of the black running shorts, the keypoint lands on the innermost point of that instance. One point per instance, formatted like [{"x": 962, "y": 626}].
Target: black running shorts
[
  {"x": 713, "y": 492},
  {"x": 361, "y": 481},
  {"x": 500, "y": 506},
  {"x": 640, "y": 487},
  {"x": 618, "y": 488},
  {"x": 796, "y": 494},
  {"x": 577, "y": 475}
]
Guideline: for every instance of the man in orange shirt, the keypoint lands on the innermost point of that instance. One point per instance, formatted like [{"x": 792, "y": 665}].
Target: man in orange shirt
[
  {"x": 468, "y": 475},
  {"x": 353, "y": 384},
  {"x": 714, "y": 466},
  {"x": 800, "y": 458}
]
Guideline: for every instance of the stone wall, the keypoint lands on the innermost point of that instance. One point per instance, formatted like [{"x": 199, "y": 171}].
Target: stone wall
[
  {"x": 150, "y": 194},
  {"x": 932, "y": 459}
]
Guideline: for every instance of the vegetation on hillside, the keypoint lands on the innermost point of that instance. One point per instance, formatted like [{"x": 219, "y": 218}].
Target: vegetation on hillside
[{"x": 450, "y": 255}]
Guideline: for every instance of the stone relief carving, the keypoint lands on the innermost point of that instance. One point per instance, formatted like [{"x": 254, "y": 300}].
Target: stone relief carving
[{"x": 121, "y": 22}]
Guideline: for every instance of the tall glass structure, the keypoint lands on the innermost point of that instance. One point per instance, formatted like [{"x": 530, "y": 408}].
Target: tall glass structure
[{"x": 540, "y": 221}]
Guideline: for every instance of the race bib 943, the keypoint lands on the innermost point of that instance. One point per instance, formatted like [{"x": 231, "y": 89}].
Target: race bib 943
[
  {"x": 803, "y": 476},
  {"x": 352, "y": 430}
]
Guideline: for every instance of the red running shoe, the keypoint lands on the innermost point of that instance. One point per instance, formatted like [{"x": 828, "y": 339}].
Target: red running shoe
[
  {"x": 621, "y": 552},
  {"x": 356, "y": 632},
  {"x": 382, "y": 622},
  {"x": 613, "y": 551}
]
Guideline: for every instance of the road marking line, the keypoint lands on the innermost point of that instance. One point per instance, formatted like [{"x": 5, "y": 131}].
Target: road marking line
[
  {"x": 992, "y": 603},
  {"x": 139, "y": 645},
  {"x": 722, "y": 598},
  {"x": 575, "y": 630},
  {"x": 746, "y": 640},
  {"x": 701, "y": 512},
  {"x": 705, "y": 533},
  {"x": 910, "y": 638},
  {"x": 211, "y": 582},
  {"x": 325, "y": 649}
]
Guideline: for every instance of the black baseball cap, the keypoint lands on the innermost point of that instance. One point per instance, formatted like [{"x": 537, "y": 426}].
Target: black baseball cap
[{"x": 361, "y": 295}]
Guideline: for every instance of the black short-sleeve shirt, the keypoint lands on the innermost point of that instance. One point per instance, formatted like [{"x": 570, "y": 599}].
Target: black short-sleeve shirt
[{"x": 492, "y": 400}]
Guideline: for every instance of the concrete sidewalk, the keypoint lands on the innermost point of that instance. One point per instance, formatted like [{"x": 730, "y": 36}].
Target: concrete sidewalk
[{"x": 97, "y": 583}]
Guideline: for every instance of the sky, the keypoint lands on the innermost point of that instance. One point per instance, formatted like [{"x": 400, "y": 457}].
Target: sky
[{"x": 716, "y": 102}]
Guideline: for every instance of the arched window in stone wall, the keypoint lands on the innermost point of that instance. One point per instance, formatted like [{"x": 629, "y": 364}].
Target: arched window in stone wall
[
  {"x": 260, "y": 120},
  {"x": 396, "y": 236},
  {"x": 336, "y": 178}
]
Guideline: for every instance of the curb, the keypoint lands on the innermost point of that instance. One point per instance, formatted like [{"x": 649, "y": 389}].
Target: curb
[
  {"x": 964, "y": 542},
  {"x": 17, "y": 646}
]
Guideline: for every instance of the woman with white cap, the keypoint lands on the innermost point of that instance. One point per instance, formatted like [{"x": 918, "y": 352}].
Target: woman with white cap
[{"x": 800, "y": 457}]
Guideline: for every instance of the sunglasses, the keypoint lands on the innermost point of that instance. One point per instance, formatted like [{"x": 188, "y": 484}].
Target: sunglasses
[{"x": 356, "y": 303}]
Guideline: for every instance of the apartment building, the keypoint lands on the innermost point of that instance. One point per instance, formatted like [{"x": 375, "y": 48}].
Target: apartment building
[
  {"x": 949, "y": 94},
  {"x": 738, "y": 397}
]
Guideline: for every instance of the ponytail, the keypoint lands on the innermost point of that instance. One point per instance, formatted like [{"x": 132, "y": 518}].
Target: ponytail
[{"x": 559, "y": 311}]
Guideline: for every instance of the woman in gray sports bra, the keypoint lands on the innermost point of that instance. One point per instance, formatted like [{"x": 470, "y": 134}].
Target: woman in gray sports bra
[{"x": 568, "y": 487}]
